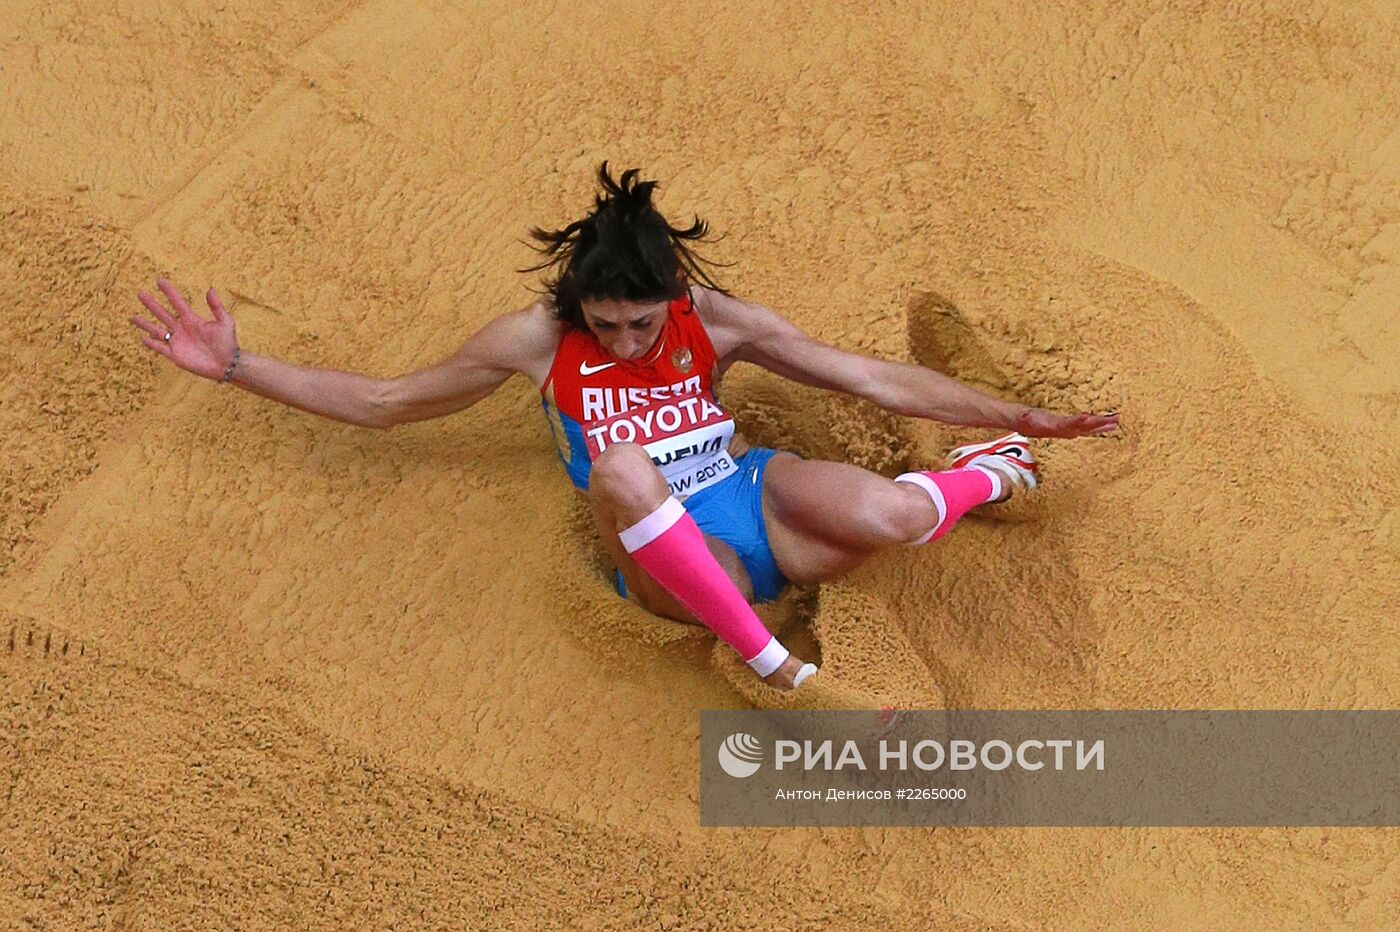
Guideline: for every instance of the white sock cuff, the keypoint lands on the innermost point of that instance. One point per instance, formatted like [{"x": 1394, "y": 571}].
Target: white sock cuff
[
  {"x": 993, "y": 475},
  {"x": 769, "y": 659},
  {"x": 939, "y": 503},
  {"x": 652, "y": 526}
]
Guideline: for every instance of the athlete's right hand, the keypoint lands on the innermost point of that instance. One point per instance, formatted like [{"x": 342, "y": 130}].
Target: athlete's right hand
[{"x": 204, "y": 347}]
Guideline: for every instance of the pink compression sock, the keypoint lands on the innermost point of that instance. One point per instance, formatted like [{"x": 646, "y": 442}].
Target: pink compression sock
[
  {"x": 954, "y": 494},
  {"x": 668, "y": 544}
]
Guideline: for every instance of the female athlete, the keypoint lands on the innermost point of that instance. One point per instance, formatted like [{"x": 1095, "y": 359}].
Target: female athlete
[{"x": 627, "y": 348}]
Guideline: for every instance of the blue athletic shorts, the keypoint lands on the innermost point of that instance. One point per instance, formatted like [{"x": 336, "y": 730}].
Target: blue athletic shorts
[{"x": 732, "y": 511}]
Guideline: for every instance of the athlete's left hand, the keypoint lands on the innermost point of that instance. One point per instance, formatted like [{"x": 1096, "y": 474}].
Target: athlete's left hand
[{"x": 1039, "y": 423}]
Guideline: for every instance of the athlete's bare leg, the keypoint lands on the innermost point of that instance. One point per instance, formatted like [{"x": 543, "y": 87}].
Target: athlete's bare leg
[
  {"x": 825, "y": 519},
  {"x": 624, "y": 487}
]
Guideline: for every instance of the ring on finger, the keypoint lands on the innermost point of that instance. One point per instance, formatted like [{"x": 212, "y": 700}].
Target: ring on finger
[{"x": 167, "y": 336}]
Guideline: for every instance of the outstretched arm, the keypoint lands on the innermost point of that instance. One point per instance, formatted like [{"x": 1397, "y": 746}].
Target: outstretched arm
[
  {"x": 207, "y": 347},
  {"x": 758, "y": 335}
]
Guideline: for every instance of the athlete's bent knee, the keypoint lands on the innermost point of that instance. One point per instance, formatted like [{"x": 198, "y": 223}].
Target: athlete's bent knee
[
  {"x": 624, "y": 470},
  {"x": 905, "y": 514}
]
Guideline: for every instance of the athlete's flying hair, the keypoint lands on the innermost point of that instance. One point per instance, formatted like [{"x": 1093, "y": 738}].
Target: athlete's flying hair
[{"x": 623, "y": 250}]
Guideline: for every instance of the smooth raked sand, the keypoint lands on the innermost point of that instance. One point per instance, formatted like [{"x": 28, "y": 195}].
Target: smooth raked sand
[{"x": 259, "y": 669}]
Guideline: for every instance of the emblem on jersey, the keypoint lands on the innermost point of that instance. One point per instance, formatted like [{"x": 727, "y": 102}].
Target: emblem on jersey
[{"x": 683, "y": 359}]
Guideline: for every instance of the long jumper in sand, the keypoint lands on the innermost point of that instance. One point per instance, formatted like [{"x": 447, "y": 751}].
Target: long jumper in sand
[{"x": 627, "y": 348}]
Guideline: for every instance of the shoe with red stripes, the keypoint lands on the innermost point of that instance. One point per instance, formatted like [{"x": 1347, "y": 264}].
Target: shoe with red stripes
[{"x": 1010, "y": 452}]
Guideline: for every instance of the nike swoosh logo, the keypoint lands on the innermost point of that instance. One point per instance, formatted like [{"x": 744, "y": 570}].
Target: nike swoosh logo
[{"x": 585, "y": 369}]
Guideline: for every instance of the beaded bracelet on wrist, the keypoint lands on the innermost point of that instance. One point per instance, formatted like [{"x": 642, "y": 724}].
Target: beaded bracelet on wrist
[{"x": 228, "y": 373}]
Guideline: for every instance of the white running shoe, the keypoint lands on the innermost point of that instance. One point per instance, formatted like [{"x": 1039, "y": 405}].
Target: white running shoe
[{"x": 1008, "y": 450}]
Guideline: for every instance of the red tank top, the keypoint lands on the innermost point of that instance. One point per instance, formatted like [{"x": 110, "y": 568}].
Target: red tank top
[{"x": 664, "y": 401}]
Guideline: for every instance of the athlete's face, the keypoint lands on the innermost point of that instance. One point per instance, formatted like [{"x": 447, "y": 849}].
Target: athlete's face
[{"x": 626, "y": 329}]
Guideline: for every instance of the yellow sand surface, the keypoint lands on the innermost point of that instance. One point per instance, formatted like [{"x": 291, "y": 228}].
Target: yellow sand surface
[{"x": 260, "y": 669}]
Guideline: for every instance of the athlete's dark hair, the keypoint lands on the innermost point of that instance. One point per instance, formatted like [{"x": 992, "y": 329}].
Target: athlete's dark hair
[{"x": 623, "y": 250}]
